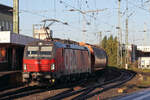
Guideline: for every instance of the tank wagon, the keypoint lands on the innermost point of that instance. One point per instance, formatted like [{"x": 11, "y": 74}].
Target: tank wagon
[
  {"x": 47, "y": 61},
  {"x": 99, "y": 58}
]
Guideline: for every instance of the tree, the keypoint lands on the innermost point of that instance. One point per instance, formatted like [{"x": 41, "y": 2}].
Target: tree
[
  {"x": 104, "y": 42},
  {"x": 110, "y": 46}
]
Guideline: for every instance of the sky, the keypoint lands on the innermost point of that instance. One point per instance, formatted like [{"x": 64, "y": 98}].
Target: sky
[{"x": 105, "y": 21}]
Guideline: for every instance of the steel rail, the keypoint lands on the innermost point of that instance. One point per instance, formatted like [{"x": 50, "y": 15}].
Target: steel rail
[
  {"x": 126, "y": 76},
  {"x": 87, "y": 89}
]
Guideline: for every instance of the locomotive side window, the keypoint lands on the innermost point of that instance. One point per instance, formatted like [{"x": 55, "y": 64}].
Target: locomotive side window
[{"x": 32, "y": 51}]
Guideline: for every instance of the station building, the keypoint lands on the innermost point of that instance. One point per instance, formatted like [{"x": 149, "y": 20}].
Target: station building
[
  {"x": 144, "y": 57},
  {"x": 144, "y": 62},
  {"x": 11, "y": 44},
  {"x": 141, "y": 54},
  {"x": 12, "y": 49}
]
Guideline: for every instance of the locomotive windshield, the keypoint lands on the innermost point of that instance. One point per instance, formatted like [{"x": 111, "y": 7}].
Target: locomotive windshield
[
  {"x": 32, "y": 51},
  {"x": 39, "y": 51},
  {"x": 46, "y": 51}
]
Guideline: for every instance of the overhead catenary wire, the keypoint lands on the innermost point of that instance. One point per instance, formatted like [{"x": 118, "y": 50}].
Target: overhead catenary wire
[
  {"x": 81, "y": 5},
  {"x": 37, "y": 13},
  {"x": 76, "y": 9},
  {"x": 55, "y": 9},
  {"x": 86, "y": 13},
  {"x": 33, "y": 13},
  {"x": 137, "y": 6}
]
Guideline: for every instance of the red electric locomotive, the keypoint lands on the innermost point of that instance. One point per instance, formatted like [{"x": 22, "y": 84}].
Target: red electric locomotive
[{"x": 47, "y": 61}]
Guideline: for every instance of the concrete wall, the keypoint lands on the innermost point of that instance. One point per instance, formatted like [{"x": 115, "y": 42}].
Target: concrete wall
[{"x": 9, "y": 37}]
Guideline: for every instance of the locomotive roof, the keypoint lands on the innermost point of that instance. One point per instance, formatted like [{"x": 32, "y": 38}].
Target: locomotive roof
[
  {"x": 59, "y": 45},
  {"x": 71, "y": 46}
]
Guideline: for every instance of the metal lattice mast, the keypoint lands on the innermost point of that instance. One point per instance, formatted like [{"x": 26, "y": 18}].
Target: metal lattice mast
[
  {"x": 16, "y": 16},
  {"x": 145, "y": 30},
  {"x": 100, "y": 34},
  {"x": 84, "y": 18},
  {"x": 119, "y": 50},
  {"x": 126, "y": 37}
]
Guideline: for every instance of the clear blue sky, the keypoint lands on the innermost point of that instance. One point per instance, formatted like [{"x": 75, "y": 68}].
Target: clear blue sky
[{"x": 33, "y": 11}]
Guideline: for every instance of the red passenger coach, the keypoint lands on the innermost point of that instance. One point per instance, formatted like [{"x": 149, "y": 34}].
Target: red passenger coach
[{"x": 47, "y": 61}]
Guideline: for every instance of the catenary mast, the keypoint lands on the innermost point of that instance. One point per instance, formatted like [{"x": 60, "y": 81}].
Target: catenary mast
[{"x": 16, "y": 16}]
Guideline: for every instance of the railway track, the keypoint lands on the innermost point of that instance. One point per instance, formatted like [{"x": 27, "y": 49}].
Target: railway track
[
  {"x": 15, "y": 92},
  {"x": 78, "y": 90},
  {"x": 21, "y": 92},
  {"x": 98, "y": 88},
  {"x": 125, "y": 76}
]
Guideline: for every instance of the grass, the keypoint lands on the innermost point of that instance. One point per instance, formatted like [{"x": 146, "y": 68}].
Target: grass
[
  {"x": 139, "y": 70},
  {"x": 140, "y": 81},
  {"x": 145, "y": 82}
]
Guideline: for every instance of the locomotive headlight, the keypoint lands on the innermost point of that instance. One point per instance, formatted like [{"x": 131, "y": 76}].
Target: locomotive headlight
[
  {"x": 25, "y": 67},
  {"x": 53, "y": 67},
  {"x": 40, "y": 43}
]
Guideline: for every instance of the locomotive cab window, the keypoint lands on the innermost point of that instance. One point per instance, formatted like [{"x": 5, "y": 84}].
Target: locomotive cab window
[
  {"x": 32, "y": 51},
  {"x": 46, "y": 51}
]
